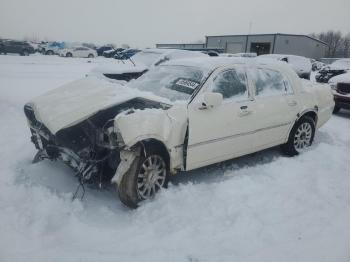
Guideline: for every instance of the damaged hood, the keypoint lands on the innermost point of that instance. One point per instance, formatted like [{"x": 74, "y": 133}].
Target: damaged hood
[{"x": 76, "y": 101}]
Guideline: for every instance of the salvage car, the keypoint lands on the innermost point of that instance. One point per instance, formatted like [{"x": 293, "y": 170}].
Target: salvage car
[
  {"x": 301, "y": 65},
  {"x": 338, "y": 67},
  {"x": 78, "y": 51},
  {"x": 341, "y": 89},
  {"x": 182, "y": 115},
  {"x": 141, "y": 62},
  {"x": 317, "y": 65}
]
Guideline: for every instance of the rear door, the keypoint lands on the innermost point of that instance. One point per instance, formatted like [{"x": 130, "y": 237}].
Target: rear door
[
  {"x": 225, "y": 131},
  {"x": 79, "y": 52},
  {"x": 276, "y": 108}
]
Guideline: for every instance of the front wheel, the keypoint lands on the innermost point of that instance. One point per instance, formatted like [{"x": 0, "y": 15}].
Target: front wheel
[
  {"x": 300, "y": 137},
  {"x": 146, "y": 176},
  {"x": 69, "y": 54},
  {"x": 91, "y": 56}
]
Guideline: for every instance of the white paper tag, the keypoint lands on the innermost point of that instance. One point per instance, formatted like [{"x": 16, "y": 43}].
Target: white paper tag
[{"x": 187, "y": 83}]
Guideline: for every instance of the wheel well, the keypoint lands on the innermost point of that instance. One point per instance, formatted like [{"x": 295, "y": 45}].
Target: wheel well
[
  {"x": 310, "y": 114},
  {"x": 156, "y": 146}
]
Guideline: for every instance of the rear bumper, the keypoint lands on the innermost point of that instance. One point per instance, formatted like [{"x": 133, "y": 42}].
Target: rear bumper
[{"x": 342, "y": 101}]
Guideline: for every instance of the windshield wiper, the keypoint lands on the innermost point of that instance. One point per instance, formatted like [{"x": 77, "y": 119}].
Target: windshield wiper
[{"x": 131, "y": 61}]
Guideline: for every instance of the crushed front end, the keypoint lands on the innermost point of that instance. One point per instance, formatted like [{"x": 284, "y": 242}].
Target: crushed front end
[{"x": 89, "y": 148}]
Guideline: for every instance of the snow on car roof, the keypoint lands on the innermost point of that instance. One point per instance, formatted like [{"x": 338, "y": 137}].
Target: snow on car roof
[
  {"x": 210, "y": 63},
  {"x": 172, "y": 51}
]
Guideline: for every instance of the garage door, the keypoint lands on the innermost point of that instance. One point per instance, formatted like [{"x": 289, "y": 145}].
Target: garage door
[{"x": 234, "y": 47}]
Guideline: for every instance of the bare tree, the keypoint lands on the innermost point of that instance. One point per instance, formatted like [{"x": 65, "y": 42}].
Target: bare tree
[
  {"x": 339, "y": 45},
  {"x": 346, "y": 45},
  {"x": 333, "y": 38}
]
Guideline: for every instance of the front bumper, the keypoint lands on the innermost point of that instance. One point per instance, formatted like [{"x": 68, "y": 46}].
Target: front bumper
[{"x": 48, "y": 148}]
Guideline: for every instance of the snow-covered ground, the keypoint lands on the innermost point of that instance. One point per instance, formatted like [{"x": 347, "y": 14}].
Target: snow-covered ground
[{"x": 262, "y": 207}]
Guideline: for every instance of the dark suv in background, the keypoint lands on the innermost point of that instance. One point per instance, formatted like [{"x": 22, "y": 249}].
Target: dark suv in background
[{"x": 16, "y": 47}]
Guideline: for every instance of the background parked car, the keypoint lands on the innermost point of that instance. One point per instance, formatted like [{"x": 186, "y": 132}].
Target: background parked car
[
  {"x": 79, "y": 51},
  {"x": 16, "y": 47},
  {"x": 112, "y": 52},
  {"x": 341, "y": 90},
  {"x": 317, "y": 65},
  {"x": 338, "y": 67},
  {"x": 301, "y": 65},
  {"x": 53, "y": 48},
  {"x": 102, "y": 49},
  {"x": 126, "y": 54},
  {"x": 142, "y": 62},
  {"x": 238, "y": 55}
]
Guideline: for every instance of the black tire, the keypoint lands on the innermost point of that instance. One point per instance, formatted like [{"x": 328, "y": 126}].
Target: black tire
[
  {"x": 290, "y": 148},
  {"x": 128, "y": 188},
  {"x": 91, "y": 56},
  {"x": 336, "y": 109},
  {"x": 69, "y": 54},
  {"x": 25, "y": 52},
  {"x": 49, "y": 52}
]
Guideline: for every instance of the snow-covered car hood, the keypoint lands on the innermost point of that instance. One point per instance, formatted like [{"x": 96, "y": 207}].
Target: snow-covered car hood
[
  {"x": 343, "y": 78},
  {"x": 119, "y": 68},
  {"x": 338, "y": 67},
  {"x": 76, "y": 101}
]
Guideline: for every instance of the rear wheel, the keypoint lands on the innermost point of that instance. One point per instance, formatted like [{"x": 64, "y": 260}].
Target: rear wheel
[
  {"x": 69, "y": 54},
  {"x": 146, "y": 176},
  {"x": 25, "y": 52},
  {"x": 91, "y": 56},
  {"x": 49, "y": 52},
  {"x": 300, "y": 137}
]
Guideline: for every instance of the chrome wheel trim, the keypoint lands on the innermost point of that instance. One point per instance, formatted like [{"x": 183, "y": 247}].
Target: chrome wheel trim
[
  {"x": 151, "y": 176},
  {"x": 302, "y": 137}
]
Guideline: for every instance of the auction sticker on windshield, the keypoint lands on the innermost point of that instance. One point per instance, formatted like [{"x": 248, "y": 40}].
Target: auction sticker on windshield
[{"x": 187, "y": 83}]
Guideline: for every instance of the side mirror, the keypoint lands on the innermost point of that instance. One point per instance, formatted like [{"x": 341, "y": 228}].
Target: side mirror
[{"x": 211, "y": 100}]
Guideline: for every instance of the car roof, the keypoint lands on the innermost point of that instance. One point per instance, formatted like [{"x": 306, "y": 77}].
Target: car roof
[
  {"x": 281, "y": 56},
  {"x": 214, "y": 62}
]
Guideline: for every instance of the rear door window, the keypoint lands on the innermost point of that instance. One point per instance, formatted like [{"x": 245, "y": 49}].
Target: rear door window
[{"x": 269, "y": 82}]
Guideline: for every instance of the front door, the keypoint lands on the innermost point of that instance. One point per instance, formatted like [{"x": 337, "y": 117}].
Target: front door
[{"x": 225, "y": 131}]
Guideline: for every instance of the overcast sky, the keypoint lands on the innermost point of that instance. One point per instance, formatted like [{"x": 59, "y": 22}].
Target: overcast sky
[{"x": 142, "y": 23}]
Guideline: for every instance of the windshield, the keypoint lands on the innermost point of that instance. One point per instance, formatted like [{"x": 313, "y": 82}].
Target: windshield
[
  {"x": 342, "y": 63},
  {"x": 146, "y": 58},
  {"x": 176, "y": 83}
]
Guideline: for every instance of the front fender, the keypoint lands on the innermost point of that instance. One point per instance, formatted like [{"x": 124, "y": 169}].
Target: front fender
[{"x": 139, "y": 125}]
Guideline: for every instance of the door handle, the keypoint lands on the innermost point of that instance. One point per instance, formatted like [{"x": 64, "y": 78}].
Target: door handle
[{"x": 292, "y": 103}]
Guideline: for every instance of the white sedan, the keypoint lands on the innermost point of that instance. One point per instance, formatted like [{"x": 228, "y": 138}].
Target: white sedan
[
  {"x": 79, "y": 51},
  {"x": 181, "y": 115}
]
